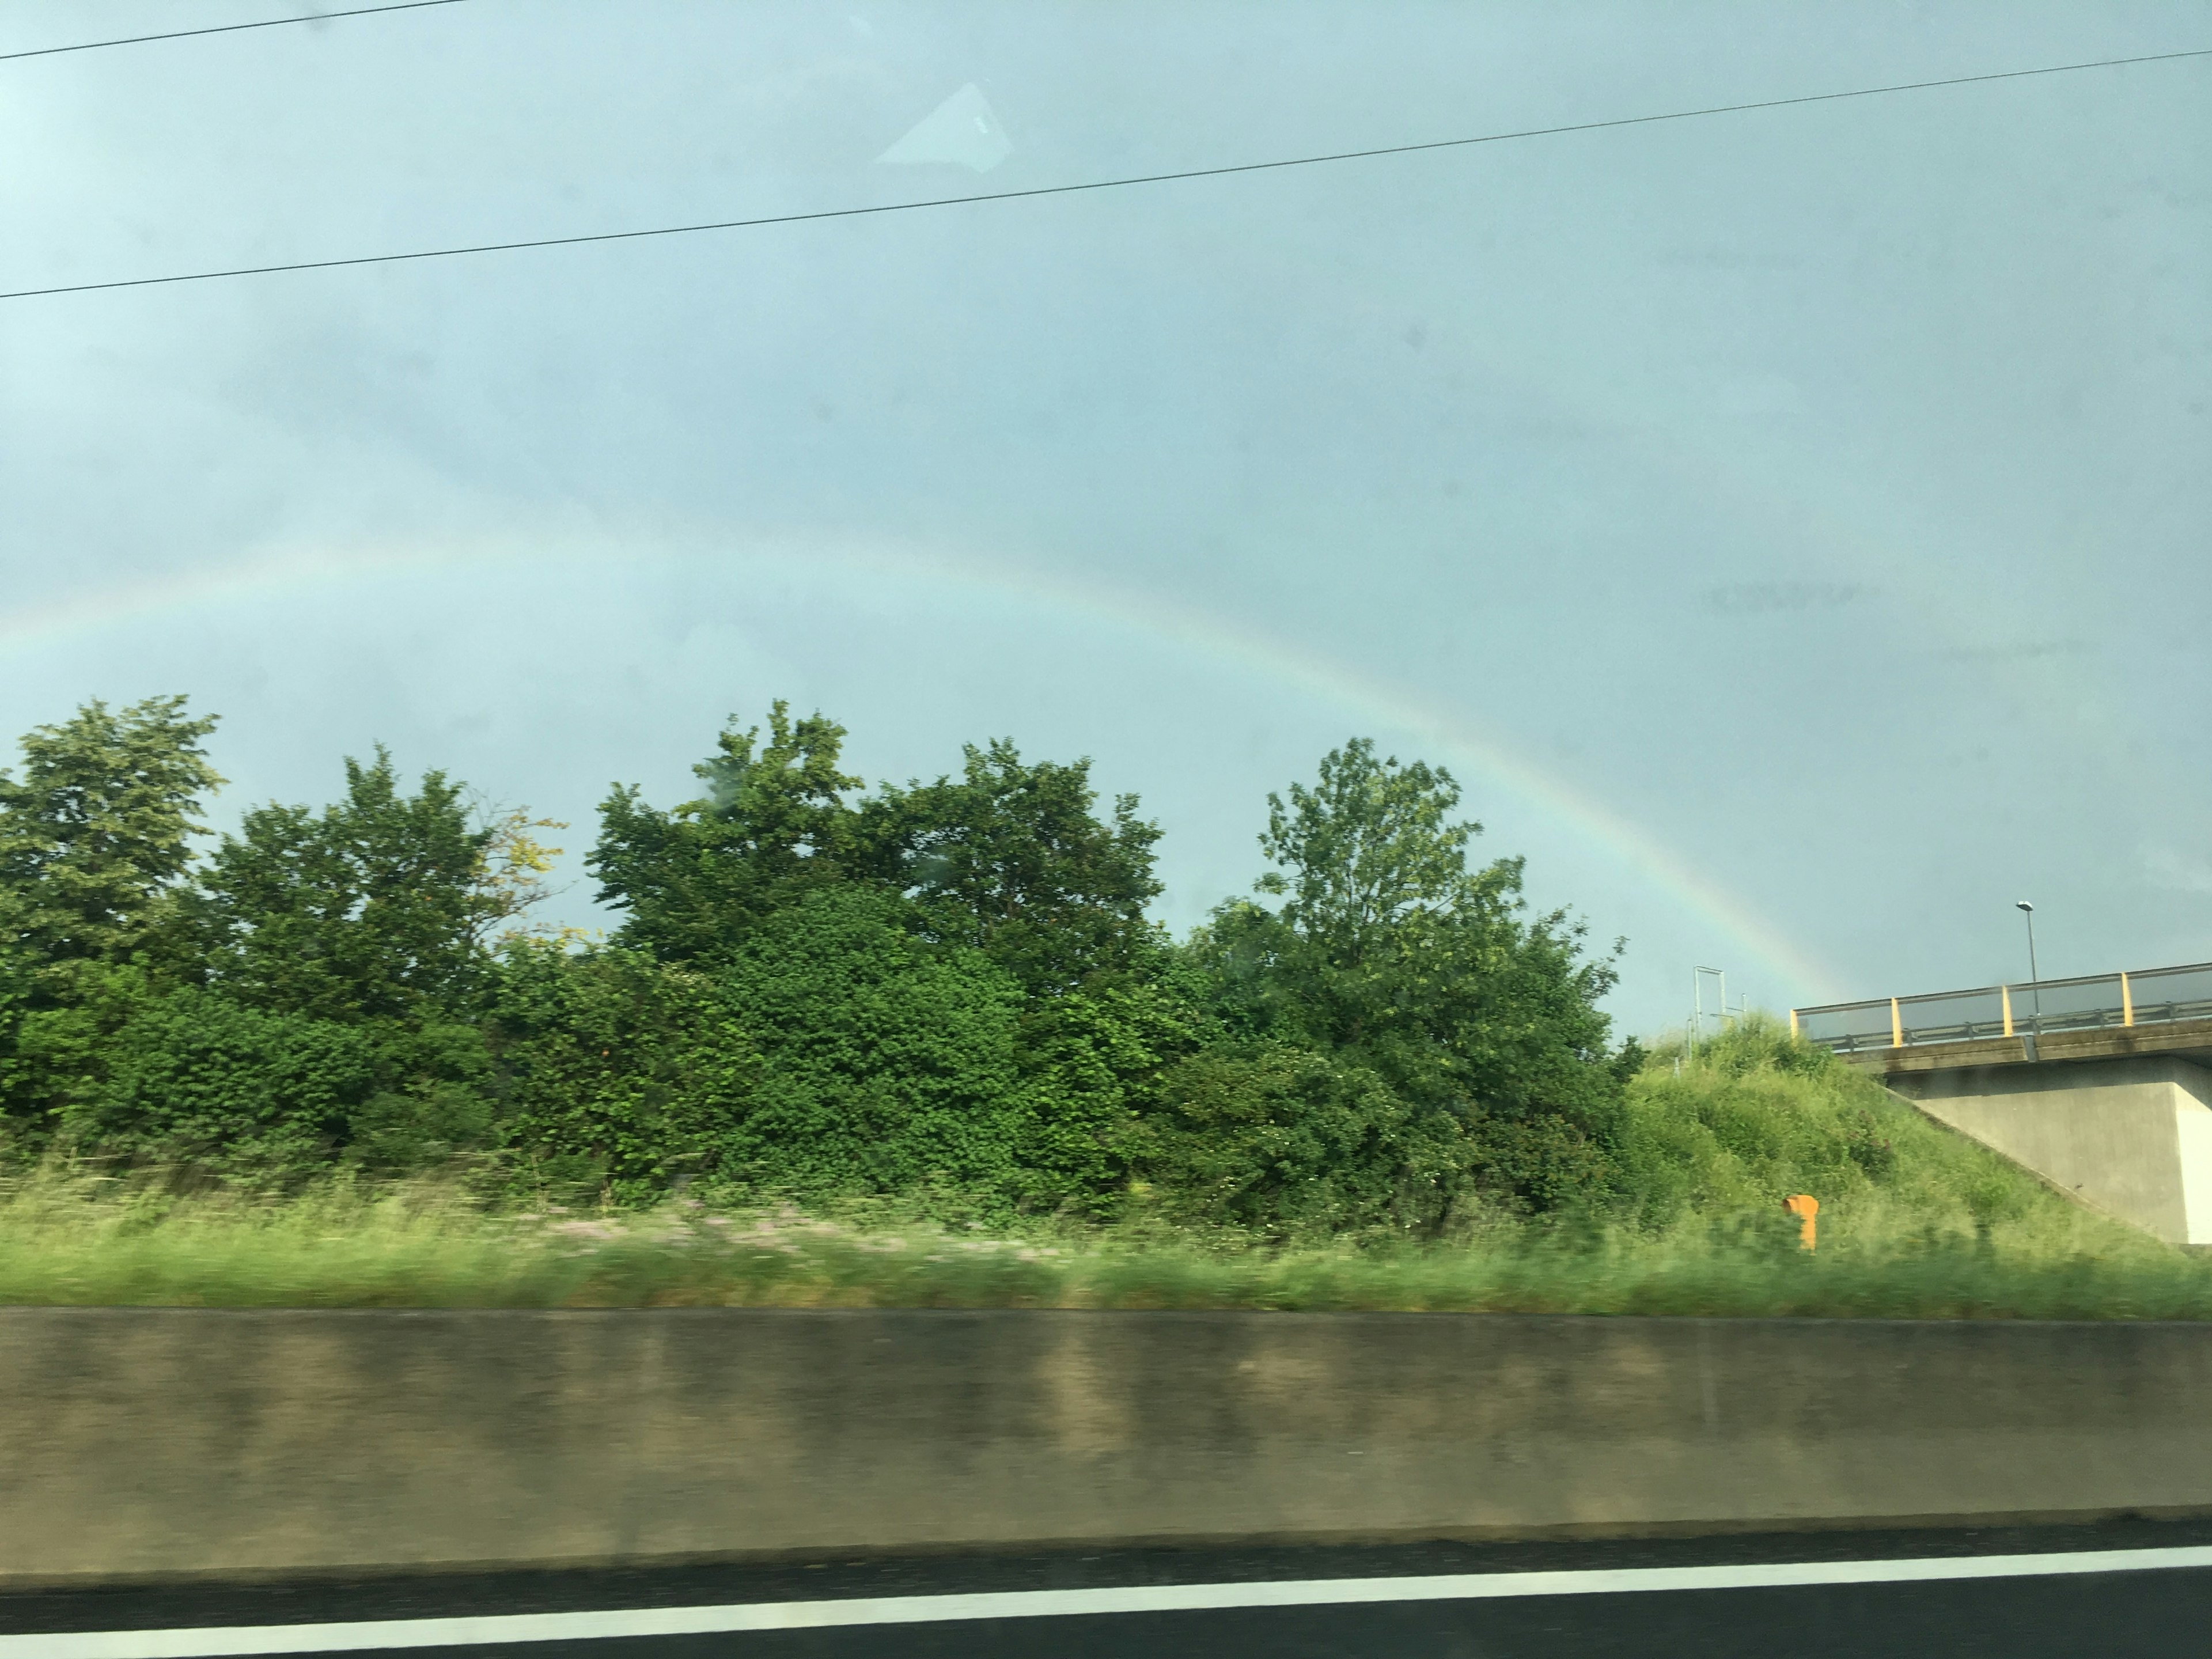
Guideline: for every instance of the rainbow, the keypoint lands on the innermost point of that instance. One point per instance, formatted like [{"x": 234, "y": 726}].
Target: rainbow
[{"x": 1452, "y": 736}]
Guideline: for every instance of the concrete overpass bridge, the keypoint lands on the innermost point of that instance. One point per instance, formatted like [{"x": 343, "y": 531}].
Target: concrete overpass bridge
[{"x": 2102, "y": 1085}]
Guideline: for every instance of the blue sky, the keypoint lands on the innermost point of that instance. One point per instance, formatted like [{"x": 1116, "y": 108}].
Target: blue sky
[{"x": 1789, "y": 526}]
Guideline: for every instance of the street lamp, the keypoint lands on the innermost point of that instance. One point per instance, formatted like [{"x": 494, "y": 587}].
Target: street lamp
[{"x": 2034, "y": 978}]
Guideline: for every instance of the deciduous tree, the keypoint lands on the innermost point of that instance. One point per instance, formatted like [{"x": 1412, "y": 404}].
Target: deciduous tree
[
  {"x": 691, "y": 881},
  {"x": 369, "y": 909},
  {"x": 1012, "y": 858},
  {"x": 95, "y": 834}
]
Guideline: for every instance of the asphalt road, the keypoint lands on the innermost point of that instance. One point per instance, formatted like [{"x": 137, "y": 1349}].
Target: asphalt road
[{"x": 2015, "y": 1592}]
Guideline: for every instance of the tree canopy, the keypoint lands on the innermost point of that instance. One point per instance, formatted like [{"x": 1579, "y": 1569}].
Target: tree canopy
[
  {"x": 96, "y": 833},
  {"x": 1391, "y": 952},
  {"x": 691, "y": 880},
  {"x": 949, "y": 987},
  {"x": 1009, "y": 858},
  {"x": 370, "y": 909}
]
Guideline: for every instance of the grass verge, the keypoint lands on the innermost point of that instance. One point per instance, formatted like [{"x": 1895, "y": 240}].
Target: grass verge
[{"x": 60, "y": 1246}]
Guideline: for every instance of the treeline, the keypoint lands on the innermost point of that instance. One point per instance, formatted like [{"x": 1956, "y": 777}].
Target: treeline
[{"x": 943, "y": 990}]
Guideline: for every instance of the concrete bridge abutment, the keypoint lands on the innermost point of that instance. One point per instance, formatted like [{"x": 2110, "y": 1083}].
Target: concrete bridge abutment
[
  {"x": 2131, "y": 1135},
  {"x": 2102, "y": 1085}
]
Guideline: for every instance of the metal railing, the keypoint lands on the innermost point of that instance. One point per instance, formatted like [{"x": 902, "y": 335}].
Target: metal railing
[{"x": 2156, "y": 996}]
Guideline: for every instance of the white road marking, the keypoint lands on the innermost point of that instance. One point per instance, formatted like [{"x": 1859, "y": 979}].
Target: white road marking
[{"x": 394, "y": 1634}]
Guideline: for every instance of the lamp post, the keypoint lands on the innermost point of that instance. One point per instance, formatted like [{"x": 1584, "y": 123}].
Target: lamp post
[{"x": 2034, "y": 977}]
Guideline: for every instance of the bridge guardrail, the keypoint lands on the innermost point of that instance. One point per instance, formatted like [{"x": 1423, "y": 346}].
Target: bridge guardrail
[{"x": 2152, "y": 996}]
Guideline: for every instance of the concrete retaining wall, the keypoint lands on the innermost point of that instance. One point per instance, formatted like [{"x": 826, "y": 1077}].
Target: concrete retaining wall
[
  {"x": 2131, "y": 1137},
  {"x": 157, "y": 1441}
]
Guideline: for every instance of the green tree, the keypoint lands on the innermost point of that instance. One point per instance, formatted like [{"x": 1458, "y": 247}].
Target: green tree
[
  {"x": 368, "y": 909},
  {"x": 96, "y": 836},
  {"x": 368, "y": 915},
  {"x": 1388, "y": 950},
  {"x": 1368, "y": 852},
  {"x": 1011, "y": 859},
  {"x": 772, "y": 823}
]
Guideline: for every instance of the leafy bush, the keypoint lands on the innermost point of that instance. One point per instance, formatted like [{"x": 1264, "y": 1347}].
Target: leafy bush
[
  {"x": 1286, "y": 1141},
  {"x": 192, "y": 1078},
  {"x": 618, "y": 1074},
  {"x": 887, "y": 1063}
]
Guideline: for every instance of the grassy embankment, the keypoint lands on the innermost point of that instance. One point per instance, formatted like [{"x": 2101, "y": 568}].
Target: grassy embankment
[{"x": 1915, "y": 1222}]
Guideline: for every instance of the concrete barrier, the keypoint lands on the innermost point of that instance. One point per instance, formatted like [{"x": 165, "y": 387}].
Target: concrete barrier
[{"x": 137, "y": 1442}]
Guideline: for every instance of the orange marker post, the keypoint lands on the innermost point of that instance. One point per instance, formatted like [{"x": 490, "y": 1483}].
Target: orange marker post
[{"x": 1804, "y": 1207}]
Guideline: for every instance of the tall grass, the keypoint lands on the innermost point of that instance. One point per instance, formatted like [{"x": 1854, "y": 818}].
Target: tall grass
[
  {"x": 1757, "y": 1116},
  {"x": 1914, "y": 1223}
]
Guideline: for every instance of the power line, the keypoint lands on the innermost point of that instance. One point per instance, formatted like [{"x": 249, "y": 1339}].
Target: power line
[
  {"x": 225, "y": 28},
  {"x": 1096, "y": 183}
]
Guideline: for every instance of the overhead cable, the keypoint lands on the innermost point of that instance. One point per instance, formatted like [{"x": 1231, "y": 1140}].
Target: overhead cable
[
  {"x": 1095, "y": 184},
  {"x": 225, "y": 28}
]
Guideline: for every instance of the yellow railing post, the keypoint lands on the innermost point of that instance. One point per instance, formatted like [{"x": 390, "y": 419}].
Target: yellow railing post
[
  {"x": 1896, "y": 1026},
  {"x": 1793, "y": 1025},
  {"x": 2005, "y": 991},
  {"x": 2127, "y": 1002}
]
